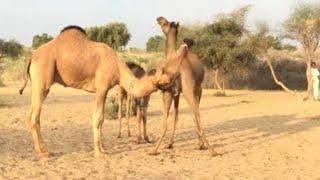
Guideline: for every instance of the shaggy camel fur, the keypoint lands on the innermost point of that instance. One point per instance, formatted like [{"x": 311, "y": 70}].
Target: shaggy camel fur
[
  {"x": 141, "y": 105},
  {"x": 71, "y": 59},
  {"x": 189, "y": 83}
]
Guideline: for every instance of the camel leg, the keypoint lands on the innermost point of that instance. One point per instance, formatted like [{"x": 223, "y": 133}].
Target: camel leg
[
  {"x": 167, "y": 100},
  {"x": 128, "y": 113},
  {"x": 175, "y": 120},
  {"x": 144, "y": 119},
  {"x": 97, "y": 121},
  {"x": 33, "y": 122},
  {"x": 120, "y": 102},
  {"x": 139, "y": 138},
  {"x": 41, "y": 76},
  {"x": 194, "y": 105}
]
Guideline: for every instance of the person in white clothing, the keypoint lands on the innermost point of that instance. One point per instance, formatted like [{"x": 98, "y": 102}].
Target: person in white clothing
[{"x": 315, "y": 80}]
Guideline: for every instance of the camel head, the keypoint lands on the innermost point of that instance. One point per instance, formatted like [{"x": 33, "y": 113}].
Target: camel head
[
  {"x": 168, "y": 27},
  {"x": 165, "y": 75}
]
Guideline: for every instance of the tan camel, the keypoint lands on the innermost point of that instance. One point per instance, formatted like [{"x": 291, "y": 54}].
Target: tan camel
[
  {"x": 189, "y": 83},
  {"x": 141, "y": 105},
  {"x": 72, "y": 60}
]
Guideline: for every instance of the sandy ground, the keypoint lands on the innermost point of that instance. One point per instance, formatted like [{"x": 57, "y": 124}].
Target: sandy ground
[{"x": 262, "y": 135}]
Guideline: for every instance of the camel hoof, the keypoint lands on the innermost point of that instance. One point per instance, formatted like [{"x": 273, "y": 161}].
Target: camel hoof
[
  {"x": 129, "y": 134},
  {"x": 139, "y": 140},
  {"x": 99, "y": 154},
  {"x": 147, "y": 139},
  {"x": 44, "y": 155},
  {"x": 153, "y": 153},
  {"x": 213, "y": 153},
  {"x": 202, "y": 147},
  {"x": 119, "y": 136},
  {"x": 169, "y": 146}
]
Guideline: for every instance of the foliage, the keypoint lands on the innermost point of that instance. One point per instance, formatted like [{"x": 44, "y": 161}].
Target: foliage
[
  {"x": 303, "y": 25},
  {"x": 116, "y": 34},
  {"x": 155, "y": 44},
  {"x": 38, "y": 40},
  {"x": 221, "y": 44},
  {"x": 10, "y": 48}
]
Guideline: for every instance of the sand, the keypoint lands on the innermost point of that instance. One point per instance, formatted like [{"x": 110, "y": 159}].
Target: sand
[{"x": 262, "y": 135}]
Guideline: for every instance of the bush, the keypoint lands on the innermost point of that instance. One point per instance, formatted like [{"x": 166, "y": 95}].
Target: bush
[
  {"x": 111, "y": 108},
  {"x": 290, "y": 72}
]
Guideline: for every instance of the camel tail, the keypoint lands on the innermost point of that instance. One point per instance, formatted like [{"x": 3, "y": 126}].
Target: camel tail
[{"x": 25, "y": 75}]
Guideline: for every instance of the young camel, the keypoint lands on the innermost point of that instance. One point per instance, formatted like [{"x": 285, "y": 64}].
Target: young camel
[
  {"x": 72, "y": 60},
  {"x": 189, "y": 83},
  {"x": 141, "y": 105}
]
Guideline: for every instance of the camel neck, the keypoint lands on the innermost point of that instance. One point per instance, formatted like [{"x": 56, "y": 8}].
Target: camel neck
[
  {"x": 171, "y": 43},
  {"x": 134, "y": 86}
]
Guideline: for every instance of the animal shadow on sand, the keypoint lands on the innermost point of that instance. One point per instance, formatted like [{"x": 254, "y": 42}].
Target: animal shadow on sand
[
  {"x": 250, "y": 131},
  {"x": 72, "y": 138}
]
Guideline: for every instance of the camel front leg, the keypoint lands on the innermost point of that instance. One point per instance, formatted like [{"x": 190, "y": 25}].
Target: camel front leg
[
  {"x": 175, "y": 120},
  {"x": 128, "y": 113},
  {"x": 167, "y": 100},
  {"x": 120, "y": 102},
  {"x": 97, "y": 122}
]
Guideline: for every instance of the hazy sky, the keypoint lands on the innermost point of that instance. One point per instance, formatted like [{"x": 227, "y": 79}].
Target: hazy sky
[{"x": 21, "y": 19}]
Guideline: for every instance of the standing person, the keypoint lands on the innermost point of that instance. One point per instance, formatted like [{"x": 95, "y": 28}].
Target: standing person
[{"x": 315, "y": 80}]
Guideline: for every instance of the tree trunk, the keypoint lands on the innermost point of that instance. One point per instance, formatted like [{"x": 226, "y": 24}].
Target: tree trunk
[
  {"x": 308, "y": 53},
  {"x": 216, "y": 80},
  {"x": 275, "y": 78}
]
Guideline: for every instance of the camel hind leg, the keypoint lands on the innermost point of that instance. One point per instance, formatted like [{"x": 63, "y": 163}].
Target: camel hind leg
[
  {"x": 175, "y": 120},
  {"x": 121, "y": 97},
  {"x": 41, "y": 80},
  {"x": 193, "y": 102},
  {"x": 128, "y": 112}
]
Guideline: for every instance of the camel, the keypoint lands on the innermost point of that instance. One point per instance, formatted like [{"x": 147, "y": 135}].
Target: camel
[
  {"x": 72, "y": 60},
  {"x": 189, "y": 83},
  {"x": 141, "y": 105}
]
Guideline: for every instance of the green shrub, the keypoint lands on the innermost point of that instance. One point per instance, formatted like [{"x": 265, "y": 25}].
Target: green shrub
[{"x": 111, "y": 108}]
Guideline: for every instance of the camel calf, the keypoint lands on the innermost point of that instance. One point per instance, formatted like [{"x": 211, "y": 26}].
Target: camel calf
[{"x": 140, "y": 103}]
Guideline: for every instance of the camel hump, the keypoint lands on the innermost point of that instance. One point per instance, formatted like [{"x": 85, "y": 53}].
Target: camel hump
[{"x": 73, "y": 27}]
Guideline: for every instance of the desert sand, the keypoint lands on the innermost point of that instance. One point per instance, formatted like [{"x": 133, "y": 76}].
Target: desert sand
[{"x": 261, "y": 134}]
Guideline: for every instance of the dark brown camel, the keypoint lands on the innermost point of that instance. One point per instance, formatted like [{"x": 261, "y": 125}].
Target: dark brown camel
[
  {"x": 189, "y": 83},
  {"x": 71, "y": 59},
  {"x": 141, "y": 105}
]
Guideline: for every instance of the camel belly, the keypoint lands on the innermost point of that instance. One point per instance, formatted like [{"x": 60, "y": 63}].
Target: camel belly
[{"x": 70, "y": 75}]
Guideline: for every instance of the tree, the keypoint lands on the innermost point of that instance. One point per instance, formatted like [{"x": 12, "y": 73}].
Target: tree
[
  {"x": 116, "y": 35},
  {"x": 303, "y": 25},
  {"x": 260, "y": 43},
  {"x": 220, "y": 44},
  {"x": 10, "y": 48},
  {"x": 155, "y": 44},
  {"x": 38, "y": 40}
]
